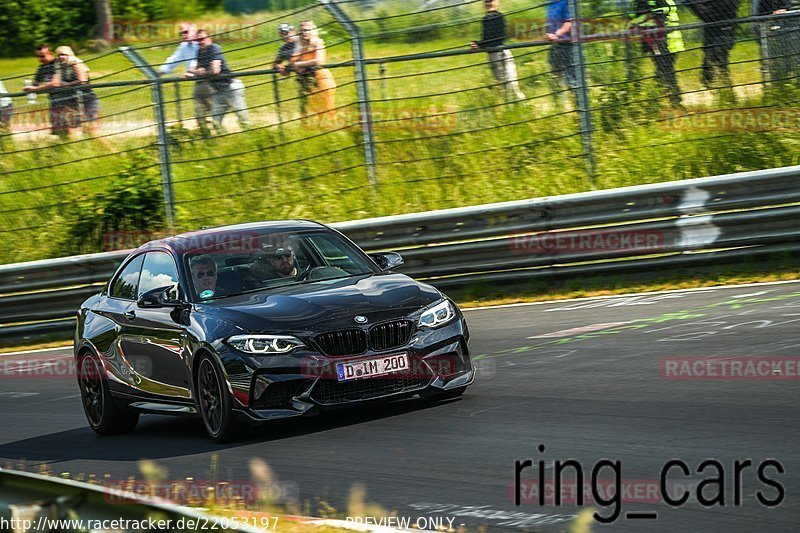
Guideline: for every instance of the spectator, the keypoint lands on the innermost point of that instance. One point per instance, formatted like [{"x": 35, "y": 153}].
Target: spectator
[
  {"x": 186, "y": 56},
  {"x": 6, "y": 109},
  {"x": 559, "y": 30},
  {"x": 72, "y": 72},
  {"x": 317, "y": 83},
  {"x": 781, "y": 36},
  {"x": 211, "y": 62},
  {"x": 654, "y": 18},
  {"x": 502, "y": 64},
  {"x": 286, "y": 51},
  {"x": 719, "y": 36},
  {"x": 41, "y": 83}
]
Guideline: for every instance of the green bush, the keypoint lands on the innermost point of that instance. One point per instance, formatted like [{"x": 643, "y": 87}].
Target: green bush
[{"x": 134, "y": 203}]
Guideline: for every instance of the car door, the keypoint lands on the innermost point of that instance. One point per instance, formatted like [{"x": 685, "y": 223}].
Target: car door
[
  {"x": 115, "y": 307},
  {"x": 155, "y": 338}
]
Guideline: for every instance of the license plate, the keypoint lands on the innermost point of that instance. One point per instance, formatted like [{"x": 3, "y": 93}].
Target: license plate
[{"x": 370, "y": 368}]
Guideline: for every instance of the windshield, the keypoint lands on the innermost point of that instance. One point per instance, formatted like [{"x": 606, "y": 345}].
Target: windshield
[{"x": 228, "y": 265}]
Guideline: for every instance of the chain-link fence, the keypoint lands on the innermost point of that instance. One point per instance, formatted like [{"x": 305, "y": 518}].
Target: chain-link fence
[{"x": 419, "y": 105}]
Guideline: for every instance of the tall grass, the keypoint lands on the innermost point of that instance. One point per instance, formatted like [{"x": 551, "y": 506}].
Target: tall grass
[{"x": 446, "y": 137}]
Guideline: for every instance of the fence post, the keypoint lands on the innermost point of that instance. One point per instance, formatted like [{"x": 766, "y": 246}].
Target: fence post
[
  {"x": 362, "y": 86},
  {"x": 584, "y": 109},
  {"x": 163, "y": 138},
  {"x": 277, "y": 92},
  {"x": 179, "y": 102}
]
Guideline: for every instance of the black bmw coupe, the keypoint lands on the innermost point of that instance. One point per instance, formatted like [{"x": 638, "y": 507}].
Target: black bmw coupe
[{"x": 262, "y": 322}]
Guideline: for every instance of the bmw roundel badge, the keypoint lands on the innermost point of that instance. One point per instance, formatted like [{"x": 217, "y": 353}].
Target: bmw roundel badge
[{"x": 361, "y": 319}]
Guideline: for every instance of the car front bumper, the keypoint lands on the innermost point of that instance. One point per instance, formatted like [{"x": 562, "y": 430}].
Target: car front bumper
[{"x": 270, "y": 388}]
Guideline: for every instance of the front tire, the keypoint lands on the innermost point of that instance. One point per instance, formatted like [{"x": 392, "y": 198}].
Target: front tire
[
  {"x": 103, "y": 415},
  {"x": 214, "y": 402}
]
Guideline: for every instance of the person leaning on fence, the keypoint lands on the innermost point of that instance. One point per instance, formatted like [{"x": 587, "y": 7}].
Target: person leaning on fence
[
  {"x": 316, "y": 83},
  {"x": 73, "y": 72},
  {"x": 41, "y": 83},
  {"x": 654, "y": 18},
  {"x": 783, "y": 41},
  {"x": 70, "y": 83},
  {"x": 6, "y": 109},
  {"x": 227, "y": 94},
  {"x": 502, "y": 64},
  {"x": 719, "y": 36},
  {"x": 558, "y": 31},
  {"x": 290, "y": 39},
  {"x": 185, "y": 55}
]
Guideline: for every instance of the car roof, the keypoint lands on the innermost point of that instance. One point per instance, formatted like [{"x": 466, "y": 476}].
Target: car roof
[{"x": 180, "y": 243}]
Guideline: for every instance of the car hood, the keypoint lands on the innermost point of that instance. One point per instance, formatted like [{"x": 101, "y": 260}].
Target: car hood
[{"x": 326, "y": 305}]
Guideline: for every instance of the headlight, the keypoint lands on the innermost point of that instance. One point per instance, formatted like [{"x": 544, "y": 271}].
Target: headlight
[
  {"x": 437, "y": 315},
  {"x": 265, "y": 344}
]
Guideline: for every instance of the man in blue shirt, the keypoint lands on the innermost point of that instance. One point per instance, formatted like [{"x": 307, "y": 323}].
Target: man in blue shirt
[{"x": 559, "y": 29}]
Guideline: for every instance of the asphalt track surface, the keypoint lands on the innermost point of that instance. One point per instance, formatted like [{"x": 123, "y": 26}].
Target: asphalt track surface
[{"x": 584, "y": 396}]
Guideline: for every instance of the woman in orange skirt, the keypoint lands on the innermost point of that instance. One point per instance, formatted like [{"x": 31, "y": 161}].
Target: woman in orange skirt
[{"x": 317, "y": 83}]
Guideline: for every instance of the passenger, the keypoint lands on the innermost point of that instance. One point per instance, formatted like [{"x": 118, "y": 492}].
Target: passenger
[
  {"x": 204, "y": 276},
  {"x": 317, "y": 83}
]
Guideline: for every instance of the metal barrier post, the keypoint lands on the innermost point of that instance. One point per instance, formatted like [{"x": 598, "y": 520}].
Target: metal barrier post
[
  {"x": 163, "y": 138},
  {"x": 179, "y": 102},
  {"x": 584, "y": 111},
  {"x": 277, "y": 91},
  {"x": 362, "y": 86}
]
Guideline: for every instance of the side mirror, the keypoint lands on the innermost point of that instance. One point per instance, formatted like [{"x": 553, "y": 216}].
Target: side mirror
[
  {"x": 388, "y": 260},
  {"x": 159, "y": 298}
]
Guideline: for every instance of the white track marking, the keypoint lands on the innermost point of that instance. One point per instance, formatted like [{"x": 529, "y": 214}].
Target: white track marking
[{"x": 611, "y": 297}]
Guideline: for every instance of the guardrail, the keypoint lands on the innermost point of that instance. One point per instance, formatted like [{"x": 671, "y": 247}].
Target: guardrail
[
  {"x": 33, "y": 500},
  {"x": 648, "y": 227}
]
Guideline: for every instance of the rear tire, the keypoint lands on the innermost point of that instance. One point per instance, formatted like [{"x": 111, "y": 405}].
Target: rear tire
[
  {"x": 215, "y": 402},
  {"x": 102, "y": 413}
]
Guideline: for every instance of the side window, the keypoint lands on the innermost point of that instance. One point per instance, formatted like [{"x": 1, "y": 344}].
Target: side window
[
  {"x": 126, "y": 285},
  {"x": 159, "y": 271},
  {"x": 333, "y": 254}
]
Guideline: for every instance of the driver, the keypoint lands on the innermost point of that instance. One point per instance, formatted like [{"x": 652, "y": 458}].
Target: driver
[{"x": 204, "y": 276}]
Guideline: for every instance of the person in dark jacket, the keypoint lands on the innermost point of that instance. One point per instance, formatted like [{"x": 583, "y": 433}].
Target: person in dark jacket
[
  {"x": 504, "y": 68},
  {"x": 719, "y": 36}
]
